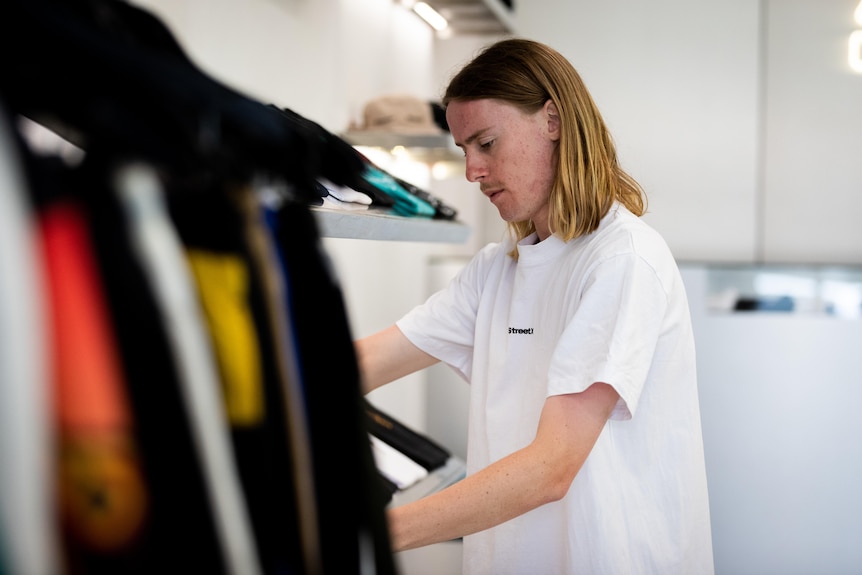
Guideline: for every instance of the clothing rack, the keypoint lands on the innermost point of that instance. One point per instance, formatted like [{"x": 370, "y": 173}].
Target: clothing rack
[{"x": 179, "y": 388}]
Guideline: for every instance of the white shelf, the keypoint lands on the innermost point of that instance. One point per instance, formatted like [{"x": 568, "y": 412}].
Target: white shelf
[
  {"x": 383, "y": 224},
  {"x": 376, "y": 224}
]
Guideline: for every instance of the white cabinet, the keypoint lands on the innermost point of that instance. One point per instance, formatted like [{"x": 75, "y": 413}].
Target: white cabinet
[{"x": 779, "y": 396}]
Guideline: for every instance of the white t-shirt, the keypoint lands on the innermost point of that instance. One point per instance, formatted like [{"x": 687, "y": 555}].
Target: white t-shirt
[{"x": 608, "y": 307}]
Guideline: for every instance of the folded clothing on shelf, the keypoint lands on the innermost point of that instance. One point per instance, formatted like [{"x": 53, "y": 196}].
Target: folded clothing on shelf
[{"x": 416, "y": 446}]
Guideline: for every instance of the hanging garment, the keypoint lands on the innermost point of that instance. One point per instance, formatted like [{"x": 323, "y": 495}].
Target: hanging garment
[
  {"x": 277, "y": 323},
  {"x": 323, "y": 155},
  {"x": 270, "y": 438},
  {"x": 102, "y": 494},
  {"x": 27, "y": 535},
  {"x": 160, "y": 251},
  {"x": 223, "y": 284},
  {"x": 350, "y": 494},
  {"x": 181, "y": 534}
]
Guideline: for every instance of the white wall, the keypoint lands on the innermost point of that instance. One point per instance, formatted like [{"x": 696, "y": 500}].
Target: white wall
[
  {"x": 741, "y": 118},
  {"x": 677, "y": 83},
  {"x": 813, "y": 123}
]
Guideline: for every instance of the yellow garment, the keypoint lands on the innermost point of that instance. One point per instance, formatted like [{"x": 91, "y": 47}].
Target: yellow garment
[{"x": 223, "y": 285}]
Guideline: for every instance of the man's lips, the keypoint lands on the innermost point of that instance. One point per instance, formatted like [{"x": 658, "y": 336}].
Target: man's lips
[{"x": 491, "y": 193}]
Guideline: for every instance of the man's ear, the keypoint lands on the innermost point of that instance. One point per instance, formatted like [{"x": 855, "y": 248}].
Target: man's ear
[{"x": 553, "y": 117}]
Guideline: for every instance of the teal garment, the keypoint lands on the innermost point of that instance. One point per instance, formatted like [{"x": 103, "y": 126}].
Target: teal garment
[{"x": 406, "y": 204}]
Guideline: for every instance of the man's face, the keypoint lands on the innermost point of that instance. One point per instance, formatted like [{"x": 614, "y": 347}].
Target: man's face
[{"x": 511, "y": 154}]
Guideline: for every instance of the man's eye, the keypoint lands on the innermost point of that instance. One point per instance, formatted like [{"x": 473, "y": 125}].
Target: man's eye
[{"x": 486, "y": 145}]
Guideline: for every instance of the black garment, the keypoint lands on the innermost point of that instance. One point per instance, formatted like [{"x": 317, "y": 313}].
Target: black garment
[
  {"x": 350, "y": 497},
  {"x": 111, "y": 76},
  {"x": 333, "y": 159},
  {"x": 414, "y": 445}
]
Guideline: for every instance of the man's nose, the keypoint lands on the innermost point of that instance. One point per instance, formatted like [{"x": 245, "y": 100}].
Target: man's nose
[{"x": 476, "y": 169}]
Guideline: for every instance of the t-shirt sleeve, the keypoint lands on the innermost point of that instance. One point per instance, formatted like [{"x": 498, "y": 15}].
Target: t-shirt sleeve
[
  {"x": 444, "y": 326},
  {"x": 613, "y": 333}
]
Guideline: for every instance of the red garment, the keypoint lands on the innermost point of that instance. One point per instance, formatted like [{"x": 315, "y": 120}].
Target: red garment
[{"x": 101, "y": 490}]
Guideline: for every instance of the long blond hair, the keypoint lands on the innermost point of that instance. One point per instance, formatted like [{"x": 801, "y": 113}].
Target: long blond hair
[{"x": 589, "y": 178}]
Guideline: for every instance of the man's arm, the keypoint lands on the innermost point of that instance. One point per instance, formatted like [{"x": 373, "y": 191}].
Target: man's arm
[
  {"x": 386, "y": 356},
  {"x": 537, "y": 474}
]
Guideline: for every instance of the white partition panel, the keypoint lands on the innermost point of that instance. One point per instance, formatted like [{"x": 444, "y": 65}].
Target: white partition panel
[{"x": 780, "y": 396}]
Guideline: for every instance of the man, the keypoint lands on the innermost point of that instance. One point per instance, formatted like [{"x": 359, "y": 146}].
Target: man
[{"x": 584, "y": 450}]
